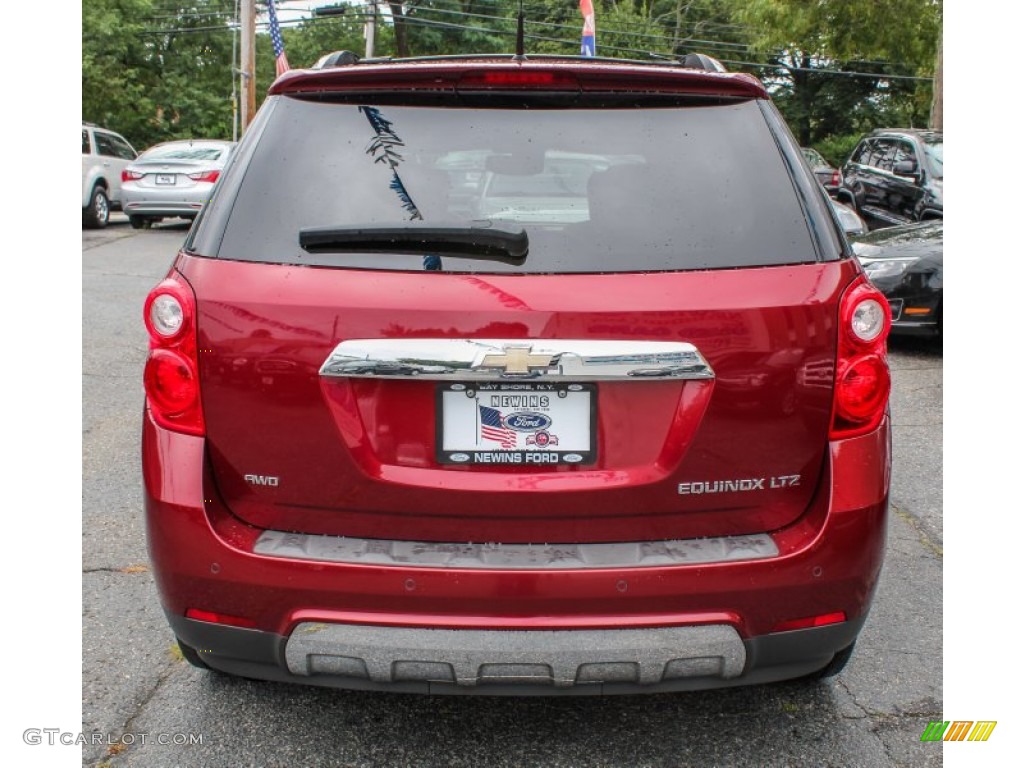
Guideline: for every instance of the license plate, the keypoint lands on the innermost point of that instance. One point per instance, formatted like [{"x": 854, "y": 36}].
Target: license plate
[
  {"x": 165, "y": 178},
  {"x": 516, "y": 424}
]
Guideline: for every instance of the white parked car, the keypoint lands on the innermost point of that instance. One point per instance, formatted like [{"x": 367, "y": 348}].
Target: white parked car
[{"x": 104, "y": 155}]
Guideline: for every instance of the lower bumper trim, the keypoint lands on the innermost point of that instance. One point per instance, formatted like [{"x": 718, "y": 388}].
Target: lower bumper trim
[{"x": 561, "y": 658}]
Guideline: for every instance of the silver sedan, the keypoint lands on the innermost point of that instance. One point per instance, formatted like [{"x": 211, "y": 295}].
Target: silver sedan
[{"x": 172, "y": 179}]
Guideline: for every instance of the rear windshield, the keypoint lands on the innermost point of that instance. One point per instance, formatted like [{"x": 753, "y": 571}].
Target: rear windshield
[
  {"x": 610, "y": 190},
  {"x": 184, "y": 152}
]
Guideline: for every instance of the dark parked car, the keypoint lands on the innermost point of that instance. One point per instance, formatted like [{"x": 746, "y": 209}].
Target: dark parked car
[
  {"x": 851, "y": 222},
  {"x": 894, "y": 176},
  {"x": 905, "y": 263},
  {"x": 823, "y": 170},
  {"x": 606, "y": 434}
]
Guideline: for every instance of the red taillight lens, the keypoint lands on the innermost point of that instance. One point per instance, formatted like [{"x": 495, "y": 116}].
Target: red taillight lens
[
  {"x": 862, "y": 372},
  {"x": 210, "y": 176},
  {"x": 219, "y": 618},
  {"x": 810, "y": 621},
  {"x": 862, "y": 388},
  {"x": 835, "y": 179},
  {"x": 171, "y": 376},
  {"x": 171, "y": 381},
  {"x": 130, "y": 175}
]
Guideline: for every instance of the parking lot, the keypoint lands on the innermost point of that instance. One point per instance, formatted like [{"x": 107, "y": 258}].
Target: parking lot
[{"x": 144, "y": 698}]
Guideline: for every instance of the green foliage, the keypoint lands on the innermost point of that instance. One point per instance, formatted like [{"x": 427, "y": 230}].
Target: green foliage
[
  {"x": 115, "y": 66},
  {"x": 627, "y": 30},
  {"x": 890, "y": 42},
  {"x": 160, "y": 69},
  {"x": 157, "y": 71},
  {"x": 837, "y": 149},
  {"x": 443, "y": 27}
]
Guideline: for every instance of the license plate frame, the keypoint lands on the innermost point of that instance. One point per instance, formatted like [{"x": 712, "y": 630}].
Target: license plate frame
[{"x": 570, "y": 408}]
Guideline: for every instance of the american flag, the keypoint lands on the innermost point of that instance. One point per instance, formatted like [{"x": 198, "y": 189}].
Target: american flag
[
  {"x": 491, "y": 428},
  {"x": 588, "y": 47},
  {"x": 275, "y": 38}
]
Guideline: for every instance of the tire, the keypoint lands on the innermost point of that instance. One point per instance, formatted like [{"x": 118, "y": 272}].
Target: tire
[
  {"x": 97, "y": 214},
  {"x": 140, "y": 222}
]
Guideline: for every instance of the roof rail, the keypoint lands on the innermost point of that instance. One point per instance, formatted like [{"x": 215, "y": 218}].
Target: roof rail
[
  {"x": 336, "y": 59},
  {"x": 701, "y": 61},
  {"x": 906, "y": 130}
]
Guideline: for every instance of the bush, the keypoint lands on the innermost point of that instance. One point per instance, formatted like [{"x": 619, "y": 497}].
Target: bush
[{"x": 837, "y": 149}]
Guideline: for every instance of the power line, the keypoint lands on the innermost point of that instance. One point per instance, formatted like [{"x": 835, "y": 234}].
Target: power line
[{"x": 421, "y": 22}]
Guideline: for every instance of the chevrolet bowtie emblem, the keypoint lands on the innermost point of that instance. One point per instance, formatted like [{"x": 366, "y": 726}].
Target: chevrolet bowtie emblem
[{"x": 517, "y": 360}]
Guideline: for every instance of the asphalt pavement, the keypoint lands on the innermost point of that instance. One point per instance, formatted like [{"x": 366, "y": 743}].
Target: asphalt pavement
[{"x": 149, "y": 708}]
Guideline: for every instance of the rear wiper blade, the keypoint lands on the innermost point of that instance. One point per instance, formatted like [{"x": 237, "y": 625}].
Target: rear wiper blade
[{"x": 486, "y": 240}]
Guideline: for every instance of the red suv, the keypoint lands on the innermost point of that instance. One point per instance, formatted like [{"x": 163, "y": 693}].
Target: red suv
[{"x": 495, "y": 375}]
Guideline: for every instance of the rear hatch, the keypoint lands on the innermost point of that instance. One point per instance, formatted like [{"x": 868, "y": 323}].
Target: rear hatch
[{"x": 657, "y": 366}]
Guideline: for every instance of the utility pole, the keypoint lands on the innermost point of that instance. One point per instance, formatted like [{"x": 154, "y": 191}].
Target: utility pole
[
  {"x": 234, "y": 74},
  {"x": 371, "y": 29},
  {"x": 248, "y": 64},
  {"x": 935, "y": 122}
]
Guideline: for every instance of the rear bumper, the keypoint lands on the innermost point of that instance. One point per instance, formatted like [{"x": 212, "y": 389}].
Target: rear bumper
[
  {"x": 515, "y": 663},
  {"x": 526, "y": 630},
  {"x": 170, "y": 201}
]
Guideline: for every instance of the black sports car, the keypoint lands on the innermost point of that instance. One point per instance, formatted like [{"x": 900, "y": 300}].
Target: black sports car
[{"x": 905, "y": 263}]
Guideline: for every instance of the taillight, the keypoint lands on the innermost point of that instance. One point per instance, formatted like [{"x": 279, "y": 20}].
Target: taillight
[
  {"x": 219, "y": 618},
  {"x": 127, "y": 175},
  {"x": 835, "y": 179},
  {"x": 862, "y": 371},
  {"x": 210, "y": 176},
  {"x": 171, "y": 376},
  {"x": 807, "y": 622}
]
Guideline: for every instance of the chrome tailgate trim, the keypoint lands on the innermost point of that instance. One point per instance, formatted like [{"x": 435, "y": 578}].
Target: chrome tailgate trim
[
  {"x": 428, "y": 554},
  {"x": 514, "y": 359}
]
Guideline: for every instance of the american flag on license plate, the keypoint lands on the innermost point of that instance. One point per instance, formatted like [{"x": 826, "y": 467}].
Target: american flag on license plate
[{"x": 491, "y": 428}]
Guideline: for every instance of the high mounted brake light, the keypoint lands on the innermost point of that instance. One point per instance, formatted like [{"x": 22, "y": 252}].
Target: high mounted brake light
[
  {"x": 535, "y": 78},
  {"x": 862, "y": 371},
  {"x": 171, "y": 375}
]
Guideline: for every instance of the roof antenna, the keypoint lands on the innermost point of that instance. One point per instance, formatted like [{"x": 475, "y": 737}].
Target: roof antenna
[{"x": 520, "y": 36}]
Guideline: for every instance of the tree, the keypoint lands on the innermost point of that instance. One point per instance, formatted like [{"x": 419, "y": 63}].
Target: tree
[
  {"x": 806, "y": 41},
  {"x": 154, "y": 75},
  {"x": 116, "y": 77}
]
